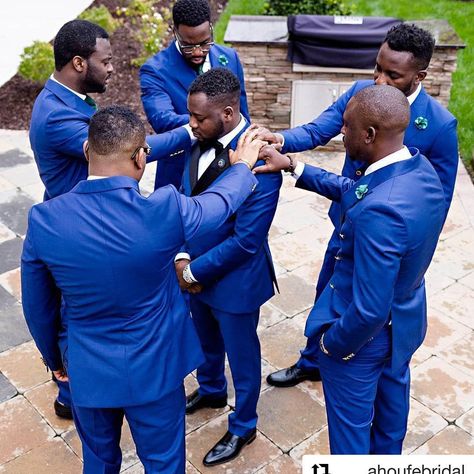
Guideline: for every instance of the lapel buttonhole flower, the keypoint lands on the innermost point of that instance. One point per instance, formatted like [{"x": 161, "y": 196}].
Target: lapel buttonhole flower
[
  {"x": 223, "y": 61},
  {"x": 421, "y": 123},
  {"x": 361, "y": 191}
]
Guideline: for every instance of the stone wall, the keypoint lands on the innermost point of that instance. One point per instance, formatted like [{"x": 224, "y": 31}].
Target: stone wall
[{"x": 269, "y": 77}]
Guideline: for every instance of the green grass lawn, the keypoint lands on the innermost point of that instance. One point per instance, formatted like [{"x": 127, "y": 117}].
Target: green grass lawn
[{"x": 459, "y": 14}]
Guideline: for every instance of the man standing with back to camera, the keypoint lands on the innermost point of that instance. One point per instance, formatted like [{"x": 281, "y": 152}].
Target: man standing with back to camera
[
  {"x": 402, "y": 62},
  {"x": 165, "y": 78}
]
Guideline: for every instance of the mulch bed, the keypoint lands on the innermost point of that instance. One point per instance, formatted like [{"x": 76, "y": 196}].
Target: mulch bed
[{"x": 18, "y": 95}]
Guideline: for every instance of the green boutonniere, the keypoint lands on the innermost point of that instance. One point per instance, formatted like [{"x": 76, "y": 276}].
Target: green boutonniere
[
  {"x": 361, "y": 191},
  {"x": 223, "y": 61},
  {"x": 421, "y": 123}
]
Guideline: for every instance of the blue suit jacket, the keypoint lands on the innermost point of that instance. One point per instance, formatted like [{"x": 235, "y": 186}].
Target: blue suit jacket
[
  {"x": 110, "y": 253},
  {"x": 233, "y": 261},
  {"x": 387, "y": 240},
  {"x": 438, "y": 142},
  {"x": 59, "y": 127},
  {"x": 165, "y": 79}
]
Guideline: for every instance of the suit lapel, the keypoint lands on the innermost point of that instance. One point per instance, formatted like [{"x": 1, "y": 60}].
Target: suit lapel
[
  {"x": 350, "y": 197},
  {"x": 186, "y": 73},
  {"x": 417, "y": 109},
  {"x": 214, "y": 170},
  {"x": 193, "y": 165},
  {"x": 69, "y": 98}
]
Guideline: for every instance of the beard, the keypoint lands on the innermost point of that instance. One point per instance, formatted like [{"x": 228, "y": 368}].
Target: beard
[{"x": 92, "y": 84}]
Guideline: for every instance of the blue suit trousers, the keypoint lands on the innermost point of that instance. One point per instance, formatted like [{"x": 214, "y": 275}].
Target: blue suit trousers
[
  {"x": 235, "y": 334},
  {"x": 366, "y": 403},
  {"x": 309, "y": 355},
  {"x": 157, "y": 428}
]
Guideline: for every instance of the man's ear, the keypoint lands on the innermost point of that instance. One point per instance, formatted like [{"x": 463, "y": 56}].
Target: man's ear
[
  {"x": 140, "y": 159},
  {"x": 78, "y": 63},
  {"x": 85, "y": 148},
  {"x": 420, "y": 76},
  {"x": 228, "y": 113},
  {"x": 370, "y": 135}
]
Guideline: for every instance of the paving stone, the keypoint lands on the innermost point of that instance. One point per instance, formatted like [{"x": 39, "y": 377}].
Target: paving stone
[
  {"x": 269, "y": 315},
  {"x": 282, "y": 342},
  {"x": 52, "y": 457},
  {"x": 42, "y": 398},
  {"x": 7, "y": 390},
  {"x": 190, "y": 469},
  {"x": 14, "y": 207},
  {"x": 22, "y": 429},
  {"x": 459, "y": 354},
  {"x": 5, "y": 185},
  {"x": 23, "y": 367},
  {"x": 11, "y": 158},
  {"x": 13, "y": 329},
  {"x": 289, "y": 192},
  {"x": 281, "y": 465},
  {"x": 6, "y": 233},
  {"x": 452, "y": 440},
  {"x": 252, "y": 457},
  {"x": 466, "y": 422},
  {"x": 421, "y": 354},
  {"x": 317, "y": 443},
  {"x": 297, "y": 413},
  {"x": 435, "y": 282},
  {"x": 10, "y": 253},
  {"x": 468, "y": 281},
  {"x": 34, "y": 191},
  {"x": 423, "y": 424},
  {"x": 457, "y": 302},
  {"x": 137, "y": 468},
  {"x": 451, "y": 260},
  {"x": 443, "y": 331},
  {"x": 456, "y": 221},
  {"x": 129, "y": 455},
  {"x": 443, "y": 388},
  {"x": 22, "y": 175},
  {"x": 296, "y": 295},
  {"x": 11, "y": 281}
]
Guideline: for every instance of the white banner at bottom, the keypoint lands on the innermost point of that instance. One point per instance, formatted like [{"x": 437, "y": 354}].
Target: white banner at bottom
[{"x": 374, "y": 464}]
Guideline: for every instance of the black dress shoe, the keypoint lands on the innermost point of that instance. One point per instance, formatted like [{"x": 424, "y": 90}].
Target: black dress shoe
[
  {"x": 195, "y": 402},
  {"x": 292, "y": 376},
  {"x": 63, "y": 411},
  {"x": 227, "y": 448}
]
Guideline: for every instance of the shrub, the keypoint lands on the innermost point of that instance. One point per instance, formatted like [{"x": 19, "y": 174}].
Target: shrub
[
  {"x": 102, "y": 17},
  {"x": 153, "y": 24},
  {"x": 307, "y": 7},
  {"x": 37, "y": 62}
]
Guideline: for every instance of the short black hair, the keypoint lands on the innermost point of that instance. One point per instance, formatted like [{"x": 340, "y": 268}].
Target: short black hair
[
  {"x": 191, "y": 12},
  {"x": 76, "y": 38},
  {"x": 219, "y": 84},
  {"x": 413, "y": 39},
  {"x": 115, "y": 129}
]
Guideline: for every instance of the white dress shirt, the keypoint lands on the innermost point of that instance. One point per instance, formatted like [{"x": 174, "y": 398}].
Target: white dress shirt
[{"x": 82, "y": 96}]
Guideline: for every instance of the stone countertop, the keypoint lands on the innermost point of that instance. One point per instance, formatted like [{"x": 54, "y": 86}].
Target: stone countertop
[{"x": 273, "y": 30}]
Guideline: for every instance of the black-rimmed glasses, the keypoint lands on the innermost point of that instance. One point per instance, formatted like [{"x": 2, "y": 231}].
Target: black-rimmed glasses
[
  {"x": 146, "y": 149},
  {"x": 188, "y": 49}
]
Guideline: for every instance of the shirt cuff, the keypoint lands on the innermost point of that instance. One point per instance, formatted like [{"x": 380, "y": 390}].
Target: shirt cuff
[
  {"x": 282, "y": 139},
  {"x": 298, "y": 170},
  {"x": 187, "y": 127},
  {"x": 182, "y": 256}
]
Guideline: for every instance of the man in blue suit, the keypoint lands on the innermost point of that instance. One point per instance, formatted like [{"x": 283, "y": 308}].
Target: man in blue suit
[
  {"x": 401, "y": 62},
  {"x": 371, "y": 317},
  {"x": 109, "y": 253},
  {"x": 60, "y": 122},
  {"x": 165, "y": 78},
  {"x": 63, "y": 109},
  {"x": 229, "y": 271}
]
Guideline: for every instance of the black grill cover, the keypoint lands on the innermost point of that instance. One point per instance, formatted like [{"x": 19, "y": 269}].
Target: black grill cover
[{"x": 334, "y": 41}]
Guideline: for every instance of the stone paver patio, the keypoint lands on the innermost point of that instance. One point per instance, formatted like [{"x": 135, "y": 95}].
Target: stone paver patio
[{"x": 292, "y": 421}]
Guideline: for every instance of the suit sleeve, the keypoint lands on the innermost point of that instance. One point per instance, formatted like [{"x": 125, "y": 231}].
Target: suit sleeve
[
  {"x": 252, "y": 223},
  {"x": 322, "y": 129},
  {"x": 163, "y": 145},
  {"x": 244, "y": 108},
  {"x": 201, "y": 214},
  {"x": 157, "y": 102},
  {"x": 323, "y": 182},
  {"x": 380, "y": 241},
  {"x": 41, "y": 301},
  {"x": 444, "y": 157},
  {"x": 66, "y": 133}
]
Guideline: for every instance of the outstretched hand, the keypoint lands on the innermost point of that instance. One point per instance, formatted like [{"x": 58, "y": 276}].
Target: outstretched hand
[
  {"x": 274, "y": 161},
  {"x": 61, "y": 375},
  {"x": 248, "y": 148}
]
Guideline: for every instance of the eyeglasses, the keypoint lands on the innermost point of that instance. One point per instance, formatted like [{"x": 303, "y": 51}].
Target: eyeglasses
[
  {"x": 188, "y": 49},
  {"x": 146, "y": 149}
]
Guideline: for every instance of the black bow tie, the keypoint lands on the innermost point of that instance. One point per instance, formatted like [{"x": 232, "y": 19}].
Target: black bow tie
[{"x": 208, "y": 144}]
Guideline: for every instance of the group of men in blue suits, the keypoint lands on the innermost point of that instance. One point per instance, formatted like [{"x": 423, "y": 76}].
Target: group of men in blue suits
[{"x": 194, "y": 97}]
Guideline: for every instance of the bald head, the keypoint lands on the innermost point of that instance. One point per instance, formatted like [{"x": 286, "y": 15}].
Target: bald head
[
  {"x": 383, "y": 107},
  {"x": 375, "y": 121}
]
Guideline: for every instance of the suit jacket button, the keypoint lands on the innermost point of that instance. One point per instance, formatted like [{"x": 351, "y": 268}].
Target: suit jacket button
[
  {"x": 337, "y": 257},
  {"x": 332, "y": 286},
  {"x": 358, "y": 173}
]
